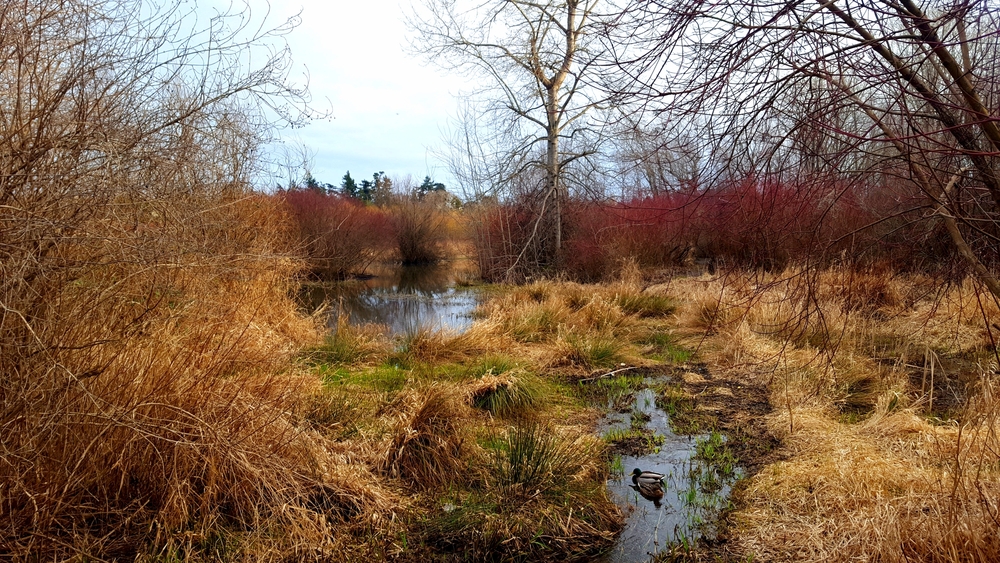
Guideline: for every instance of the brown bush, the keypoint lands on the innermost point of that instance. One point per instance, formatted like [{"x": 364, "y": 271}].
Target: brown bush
[
  {"x": 338, "y": 236},
  {"x": 421, "y": 227},
  {"x": 144, "y": 300}
]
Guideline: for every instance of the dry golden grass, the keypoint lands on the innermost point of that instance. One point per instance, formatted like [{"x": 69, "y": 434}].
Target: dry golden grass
[
  {"x": 154, "y": 414},
  {"x": 429, "y": 431},
  {"x": 881, "y": 462}
]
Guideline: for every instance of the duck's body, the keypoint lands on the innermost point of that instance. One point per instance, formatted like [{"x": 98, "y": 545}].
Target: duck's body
[
  {"x": 649, "y": 492},
  {"x": 647, "y": 479},
  {"x": 649, "y": 484}
]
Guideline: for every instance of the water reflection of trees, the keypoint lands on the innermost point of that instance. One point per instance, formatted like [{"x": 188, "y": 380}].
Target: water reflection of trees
[
  {"x": 404, "y": 314},
  {"x": 427, "y": 281},
  {"x": 403, "y": 298}
]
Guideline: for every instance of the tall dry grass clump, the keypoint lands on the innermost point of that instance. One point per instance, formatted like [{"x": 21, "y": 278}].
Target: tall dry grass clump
[
  {"x": 144, "y": 298},
  {"x": 426, "y": 446}
]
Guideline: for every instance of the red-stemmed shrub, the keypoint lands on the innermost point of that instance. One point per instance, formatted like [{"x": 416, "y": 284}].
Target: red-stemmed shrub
[
  {"x": 339, "y": 236},
  {"x": 752, "y": 222},
  {"x": 505, "y": 240}
]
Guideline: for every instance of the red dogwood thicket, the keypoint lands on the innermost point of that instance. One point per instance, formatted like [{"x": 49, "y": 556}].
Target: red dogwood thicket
[
  {"x": 754, "y": 222},
  {"x": 338, "y": 235}
]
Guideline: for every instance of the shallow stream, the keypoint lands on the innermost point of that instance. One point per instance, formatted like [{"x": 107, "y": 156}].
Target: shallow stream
[
  {"x": 694, "y": 494},
  {"x": 406, "y": 299}
]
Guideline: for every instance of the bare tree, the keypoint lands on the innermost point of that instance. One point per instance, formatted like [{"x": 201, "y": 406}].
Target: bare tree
[
  {"x": 654, "y": 159},
  {"x": 137, "y": 266},
  {"x": 536, "y": 58},
  {"x": 898, "y": 92}
]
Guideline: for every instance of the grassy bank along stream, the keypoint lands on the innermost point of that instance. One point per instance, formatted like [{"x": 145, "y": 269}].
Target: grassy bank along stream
[{"x": 484, "y": 444}]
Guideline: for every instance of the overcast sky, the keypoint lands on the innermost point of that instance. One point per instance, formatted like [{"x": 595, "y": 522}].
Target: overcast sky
[{"x": 388, "y": 108}]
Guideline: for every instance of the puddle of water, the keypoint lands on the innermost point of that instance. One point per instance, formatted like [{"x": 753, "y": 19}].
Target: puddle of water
[
  {"x": 691, "y": 498},
  {"x": 403, "y": 298}
]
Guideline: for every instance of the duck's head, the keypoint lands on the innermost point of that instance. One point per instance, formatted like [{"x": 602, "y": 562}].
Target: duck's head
[{"x": 636, "y": 472}]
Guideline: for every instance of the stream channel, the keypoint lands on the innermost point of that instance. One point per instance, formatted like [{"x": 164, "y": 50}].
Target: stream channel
[
  {"x": 406, "y": 299},
  {"x": 694, "y": 491}
]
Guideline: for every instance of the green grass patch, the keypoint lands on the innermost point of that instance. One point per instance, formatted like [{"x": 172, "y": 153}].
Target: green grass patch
[
  {"x": 619, "y": 435},
  {"x": 714, "y": 450},
  {"x": 616, "y": 466},
  {"x": 491, "y": 365},
  {"x": 518, "y": 397},
  {"x": 646, "y": 304},
  {"x": 682, "y": 411},
  {"x": 639, "y": 419},
  {"x": 614, "y": 392},
  {"x": 660, "y": 346},
  {"x": 333, "y": 374},
  {"x": 596, "y": 352},
  {"x": 383, "y": 378},
  {"x": 341, "y": 347},
  {"x": 436, "y": 371},
  {"x": 633, "y": 441}
]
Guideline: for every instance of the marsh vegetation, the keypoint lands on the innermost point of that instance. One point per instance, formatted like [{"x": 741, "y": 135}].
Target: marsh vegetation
[{"x": 801, "y": 304}]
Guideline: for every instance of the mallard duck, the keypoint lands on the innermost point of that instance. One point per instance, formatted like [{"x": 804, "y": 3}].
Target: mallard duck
[
  {"x": 647, "y": 479},
  {"x": 649, "y": 484}
]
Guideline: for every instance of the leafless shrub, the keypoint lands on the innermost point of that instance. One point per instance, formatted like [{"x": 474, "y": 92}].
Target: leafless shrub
[
  {"x": 144, "y": 290},
  {"x": 422, "y": 229}
]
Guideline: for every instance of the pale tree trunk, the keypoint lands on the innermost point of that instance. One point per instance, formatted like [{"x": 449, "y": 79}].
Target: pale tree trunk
[
  {"x": 552, "y": 173},
  {"x": 543, "y": 40}
]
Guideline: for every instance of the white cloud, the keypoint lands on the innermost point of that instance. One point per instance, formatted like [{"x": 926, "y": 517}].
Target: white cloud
[{"x": 388, "y": 108}]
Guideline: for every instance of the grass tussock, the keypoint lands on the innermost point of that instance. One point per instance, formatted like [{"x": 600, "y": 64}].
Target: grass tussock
[
  {"x": 426, "y": 442},
  {"x": 348, "y": 344},
  {"x": 541, "y": 498},
  {"x": 597, "y": 351},
  {"x": 529, "y": 459},
  {"x": 881, "y": 462},
  {"x": 506, "y": 396}
]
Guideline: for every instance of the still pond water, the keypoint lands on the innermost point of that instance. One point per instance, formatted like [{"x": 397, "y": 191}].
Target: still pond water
[{"x": 405, "y": 299}]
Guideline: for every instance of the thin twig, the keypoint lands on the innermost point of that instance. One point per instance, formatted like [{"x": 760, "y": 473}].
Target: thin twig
[{"x": 609, "y": 374}]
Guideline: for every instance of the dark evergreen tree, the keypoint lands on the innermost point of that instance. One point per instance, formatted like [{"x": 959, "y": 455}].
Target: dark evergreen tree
[
  {"x": 365, "y": 192},
  {"x": 313, "y": 184},
  {"x": 348, "y": 186},
  {"x": 429, "y": 186}
]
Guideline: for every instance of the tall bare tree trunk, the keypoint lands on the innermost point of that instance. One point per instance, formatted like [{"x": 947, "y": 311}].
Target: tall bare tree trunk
[{"x": 552, "y": 172}]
